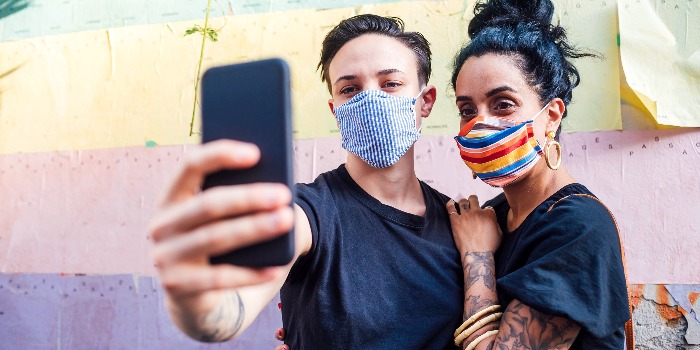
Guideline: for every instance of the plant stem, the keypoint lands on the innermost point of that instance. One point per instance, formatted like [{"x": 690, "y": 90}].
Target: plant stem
[{"x": 199, "y": 67}]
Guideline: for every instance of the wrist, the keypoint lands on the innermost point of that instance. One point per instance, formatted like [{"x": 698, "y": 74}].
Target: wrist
[
  {"x": 188, "y": 312},
  {"x": 471, "y": 256}
]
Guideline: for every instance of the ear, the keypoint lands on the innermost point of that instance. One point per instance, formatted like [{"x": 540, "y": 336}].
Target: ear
[
  {"x": 330, "y": 105},
  {"x": 427, "y": 100},
  {"x": 555, "y": 112}
]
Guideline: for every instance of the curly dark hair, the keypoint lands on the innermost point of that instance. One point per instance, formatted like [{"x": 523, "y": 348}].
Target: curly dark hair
[{"x": 523, "y": 31}]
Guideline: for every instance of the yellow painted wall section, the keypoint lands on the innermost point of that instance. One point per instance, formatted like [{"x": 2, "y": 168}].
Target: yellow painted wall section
[{"x": 135, "y": 85}]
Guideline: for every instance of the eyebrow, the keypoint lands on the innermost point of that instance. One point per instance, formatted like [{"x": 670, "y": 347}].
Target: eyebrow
[
  {"x": 381, "y": 72},
  {"x": 345, "y": 77},
  {"x": 488, "y": 94},
  {"x": 500, "y": 89},
  {"x": 389, "y": 71}
]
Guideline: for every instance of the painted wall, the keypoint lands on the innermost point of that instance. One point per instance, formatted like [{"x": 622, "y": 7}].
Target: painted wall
[{"x": 96, "y": 113}]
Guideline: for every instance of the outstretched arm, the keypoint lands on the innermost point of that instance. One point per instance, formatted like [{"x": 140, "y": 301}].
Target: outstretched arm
[{"x": 217, "y": 302}]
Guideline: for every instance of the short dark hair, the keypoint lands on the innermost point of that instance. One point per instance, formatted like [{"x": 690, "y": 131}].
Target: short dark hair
[
  {"x": 359, "y": 25},
  {"x": 523, "y": 31}
]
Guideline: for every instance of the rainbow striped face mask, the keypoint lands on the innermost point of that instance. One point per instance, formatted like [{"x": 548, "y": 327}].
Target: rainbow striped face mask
[{"x": 499, "y": 150}]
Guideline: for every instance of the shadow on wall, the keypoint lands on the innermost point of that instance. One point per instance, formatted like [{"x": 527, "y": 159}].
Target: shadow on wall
[{"x": 10, "y": 7}]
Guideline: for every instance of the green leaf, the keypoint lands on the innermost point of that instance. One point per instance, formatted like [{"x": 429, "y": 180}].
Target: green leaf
[
  {"x": 195, "y": 29},
  {"x": 212, "y": 34}
]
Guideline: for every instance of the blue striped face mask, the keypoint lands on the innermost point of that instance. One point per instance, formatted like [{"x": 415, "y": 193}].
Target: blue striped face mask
[{"x": 378, "y": 127}]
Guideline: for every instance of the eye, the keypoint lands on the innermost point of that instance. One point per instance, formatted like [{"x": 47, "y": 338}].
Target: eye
[
  {"x": 467, "y": 112},
  {"x": 393, "y": 84},
  {"x": 348, "y": 90},
  {"x": 504, "y": 106}
]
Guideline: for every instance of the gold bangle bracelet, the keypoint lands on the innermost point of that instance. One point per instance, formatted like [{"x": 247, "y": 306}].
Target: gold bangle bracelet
[
  {"x": 480, "y": 338},
  {"x": 475, "y": 317},
  {"x": 476, "y": 326}
]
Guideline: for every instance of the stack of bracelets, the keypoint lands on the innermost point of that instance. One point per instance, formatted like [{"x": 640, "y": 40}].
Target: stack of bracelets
[{"x": 476, "y": 322}]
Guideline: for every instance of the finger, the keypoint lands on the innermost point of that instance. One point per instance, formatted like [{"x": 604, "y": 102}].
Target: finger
[
  {"x": 464, "y": 205},
  {"x": 218, "y": 203},
  {"x": 474, "y": 202},
  {"x": 209, "y": 158},
  {"x": 224, "y": 236},
  {"x": 280, "y": 334},
  {"x": 451, "y": 207},
  {"x": 184, "y": 280},
  {"x": 281, "y": 347}
]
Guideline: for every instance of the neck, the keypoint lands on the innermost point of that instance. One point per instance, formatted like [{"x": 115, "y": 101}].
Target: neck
[
  {"x": 396, "y": 186},
  {"x": 532, "y": 189}
]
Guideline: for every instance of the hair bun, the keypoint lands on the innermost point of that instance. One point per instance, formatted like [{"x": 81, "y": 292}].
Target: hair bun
[{"x": 498, "y": 13}]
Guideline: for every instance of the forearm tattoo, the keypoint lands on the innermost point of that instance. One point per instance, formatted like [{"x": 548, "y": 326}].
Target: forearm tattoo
[
  {"x": 480, "y": 278},
  {"x": 526, "y": 328},
  {"x": 225, "y": 321},
  {"x": 479, "y": 267}
]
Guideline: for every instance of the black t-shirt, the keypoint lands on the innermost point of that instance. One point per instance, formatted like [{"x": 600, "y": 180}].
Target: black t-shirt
[
  {"x": 565, "y": 260},
  {"x": 376, "y": 277}
]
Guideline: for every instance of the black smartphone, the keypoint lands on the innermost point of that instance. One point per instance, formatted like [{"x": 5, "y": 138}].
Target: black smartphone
[{"x": 252, "y": 102}]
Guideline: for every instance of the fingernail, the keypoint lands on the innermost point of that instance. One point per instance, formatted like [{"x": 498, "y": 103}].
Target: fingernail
[
  {"x": 279, "y": 305},
  {"x": 280, "y": 217},
  {"x": 244, "y": 152},
  {"x": 272, "y": 197},
  {"x": 274, "y": 220},
  {"x": 243, "y": 147}
]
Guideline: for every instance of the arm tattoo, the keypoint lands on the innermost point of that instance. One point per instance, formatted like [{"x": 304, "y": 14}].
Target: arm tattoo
[
  {"x": 479, "y": 273},
  {"x": 526, "y": 328},
  {"x": 479, "y": 266},
  {"x": 475, "y": 303},
  {"x": 226, "y": 320}
]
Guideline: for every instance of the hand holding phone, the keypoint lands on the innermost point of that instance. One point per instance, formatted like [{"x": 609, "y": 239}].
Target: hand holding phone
[{"x": 251, "y": 102}]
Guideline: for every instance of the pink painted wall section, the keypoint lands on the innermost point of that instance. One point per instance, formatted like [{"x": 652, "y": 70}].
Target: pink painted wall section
[
  {"x": 650, "y": 180},
  {"x": 80, "y": 212},
  {"x": 85, "y": 212}
]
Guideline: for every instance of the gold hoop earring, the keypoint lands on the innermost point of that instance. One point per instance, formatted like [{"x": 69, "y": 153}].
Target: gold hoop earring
[{"x": 547, "y": 146}]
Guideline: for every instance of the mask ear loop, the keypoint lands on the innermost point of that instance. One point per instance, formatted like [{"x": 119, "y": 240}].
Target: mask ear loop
[{"x": 540, "y": 112}]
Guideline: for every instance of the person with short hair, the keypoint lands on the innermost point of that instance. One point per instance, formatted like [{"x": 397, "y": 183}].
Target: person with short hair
[{"x": 376, "y": 265}]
